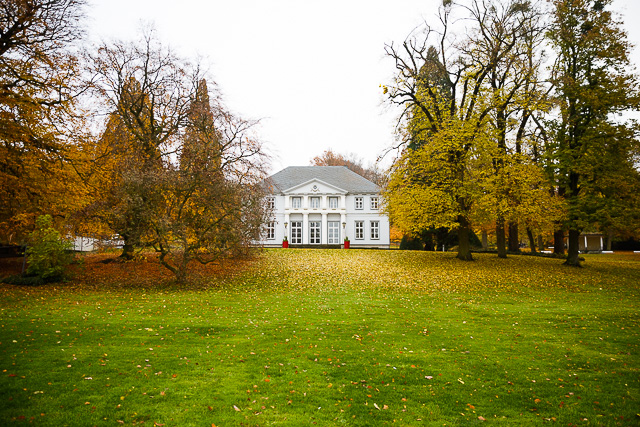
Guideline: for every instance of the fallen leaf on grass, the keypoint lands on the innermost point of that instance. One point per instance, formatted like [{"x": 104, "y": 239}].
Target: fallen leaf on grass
[{"x": 236, "y": 408}]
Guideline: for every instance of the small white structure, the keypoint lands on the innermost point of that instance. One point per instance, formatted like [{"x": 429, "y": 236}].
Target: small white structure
[
  {"x": 322, "y": 205},
  {"x": 590, "y": 242}
]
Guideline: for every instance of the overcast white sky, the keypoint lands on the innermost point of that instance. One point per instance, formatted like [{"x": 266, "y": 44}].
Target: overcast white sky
[{"x": 310, "y": 69}]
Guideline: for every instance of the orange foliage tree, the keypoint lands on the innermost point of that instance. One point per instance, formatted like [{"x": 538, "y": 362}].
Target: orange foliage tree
[{"x": 38, "y": 86}]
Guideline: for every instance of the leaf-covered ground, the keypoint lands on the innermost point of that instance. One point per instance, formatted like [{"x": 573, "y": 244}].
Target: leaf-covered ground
[{"x": 326, "y": 337}]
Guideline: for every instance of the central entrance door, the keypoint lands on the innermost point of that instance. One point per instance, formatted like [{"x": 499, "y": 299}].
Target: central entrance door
[{"x": 314, "y": 232}]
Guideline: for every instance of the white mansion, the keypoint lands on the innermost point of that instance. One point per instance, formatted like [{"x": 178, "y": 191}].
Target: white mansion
[{"x": 322, "y": 205}]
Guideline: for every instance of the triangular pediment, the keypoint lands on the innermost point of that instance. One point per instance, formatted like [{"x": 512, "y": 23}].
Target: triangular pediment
[{"x": 314, "y": 186}]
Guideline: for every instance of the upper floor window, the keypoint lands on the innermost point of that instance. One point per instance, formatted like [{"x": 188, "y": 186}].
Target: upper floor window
[
  {"x": 271, "y": 202},
  {"x": 333, "y": 203},
  {"x": 359, "y": 202},
  {"x": 296, "y": 202},
  {"x": 374, "y": 203},
  {"x": 314, "y": 202}
]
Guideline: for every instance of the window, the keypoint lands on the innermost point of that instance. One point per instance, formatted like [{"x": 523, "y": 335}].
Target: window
[
  {"x": 359, "y": 203},
  {"x": 296, "y": 202},
  {"x": 333, "y": 232},
  {"x": 314, "y": 232},
  {"x": 374, "y": 203},
  {"x": 315, "y": 202},
  {"x": 375, "y": 230},
  {"x": 333, "y": 203},
  {"x": 359, "y": 230},
  {"x": 296, "y": 232},
  {"x": 271, "y": 202},
  {"x": 271, "y": 230}
]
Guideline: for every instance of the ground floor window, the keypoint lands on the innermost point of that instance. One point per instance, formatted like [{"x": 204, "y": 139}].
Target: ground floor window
[
  {"x": 375, "y": 230},
  {"x": 333, "y": 232},
  {"x": 359, "y": 230},
  {"x": 271, "y": 230},
  {"x": 314, "y": 232},
  {"x": 296, "y": 232}
]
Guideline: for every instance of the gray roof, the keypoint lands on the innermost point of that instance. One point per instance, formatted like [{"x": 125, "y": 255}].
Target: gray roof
[{"x": 338, "y": 176}]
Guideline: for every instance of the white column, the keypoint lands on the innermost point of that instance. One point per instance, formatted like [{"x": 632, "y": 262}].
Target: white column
[
  {"x": 343, "y": 220},
  {"x": 585, "y": 242},
  {"x": 305, "y": 228},
  {"x": 325, "y": 230},
  {"x": 343, "y": 202},
  {"x": 601, "y": 244}
]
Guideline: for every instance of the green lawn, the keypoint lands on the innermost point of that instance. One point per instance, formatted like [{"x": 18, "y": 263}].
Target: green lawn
[{"x": 330, "y": 337}]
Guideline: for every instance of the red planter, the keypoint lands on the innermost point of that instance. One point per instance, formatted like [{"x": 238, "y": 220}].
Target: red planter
[
  {"x": 347, "y": 244},
  {"x": 285, "y": 244}
]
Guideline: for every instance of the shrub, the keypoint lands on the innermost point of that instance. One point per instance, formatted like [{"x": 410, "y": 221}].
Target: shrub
[{"x": 48, "y": 254}]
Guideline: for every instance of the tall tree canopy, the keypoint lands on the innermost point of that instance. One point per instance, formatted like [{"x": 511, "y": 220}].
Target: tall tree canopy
[
  {"x": 592, "y": 83},
  {"x": 451, "y": 91},
  {"x": 173, "y": 169},
  {"x": 38, "y": 84}
]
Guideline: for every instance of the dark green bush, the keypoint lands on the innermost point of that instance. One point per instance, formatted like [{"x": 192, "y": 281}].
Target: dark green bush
[{"x": 48, "y": 253}]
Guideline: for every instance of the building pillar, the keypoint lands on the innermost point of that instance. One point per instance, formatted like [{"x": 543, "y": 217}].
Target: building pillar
[
  {"x": 586, "y": 248},
  {"x": 343, "y": 221},
  {"x": 305, "y": 228},
  {"x": 601, "y": 244},
  {"x": 324, "y": 232}
]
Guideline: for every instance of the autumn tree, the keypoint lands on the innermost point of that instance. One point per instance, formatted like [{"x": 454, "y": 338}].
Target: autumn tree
[
  {"x": 213, "y": 198},
  {"x": 147, "y": 90},
  {"x": 38, "y": 85},
  {"x": 352, "y": 162},
  {"x": 517, "y": 95},
  {"x": 592, "y": 83},
  {"x": 173, "y": 169},
  {"x": 442, "y": 85}
]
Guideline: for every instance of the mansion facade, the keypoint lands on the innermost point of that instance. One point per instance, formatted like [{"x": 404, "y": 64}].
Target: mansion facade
[{"x": 323, "y": 205}]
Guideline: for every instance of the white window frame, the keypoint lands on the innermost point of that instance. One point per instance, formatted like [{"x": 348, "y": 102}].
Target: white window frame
[
  {"x": 296, "y": 232},
  {"x": 296, "y": 202},
  {"x": 333, "y": 232},
  {"x": 359, "y": 203},
  {"x": 314, "y": 202},
  {"x": 374, "y": 228},
  {"x": 333, "y": 203},
  {"x": 271, "y": 202},
  {"x": 271, "y": 230},
  {"x": 358, "y": 228},
  {"x": 315, "y": 232},
  {"x": 374, "y": 203}
]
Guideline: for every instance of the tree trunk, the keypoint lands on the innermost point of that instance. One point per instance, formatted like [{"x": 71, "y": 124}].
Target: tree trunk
[
  {"x": 464, "y": 247},
  {"x": 558, "y": 242},
  {"x": 500, "y": 237},
  {"x": 532, "y": 241},
  {"x": 485, "y": 243},
  {"x": 127, "y": 248},
  {"x": 540, "y": 242},
  {"x": 573, "y": 257},
  {"x": 514, "y": 240}
]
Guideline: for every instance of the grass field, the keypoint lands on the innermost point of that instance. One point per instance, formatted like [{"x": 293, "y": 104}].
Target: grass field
[{"x": 327, "y": 337}]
